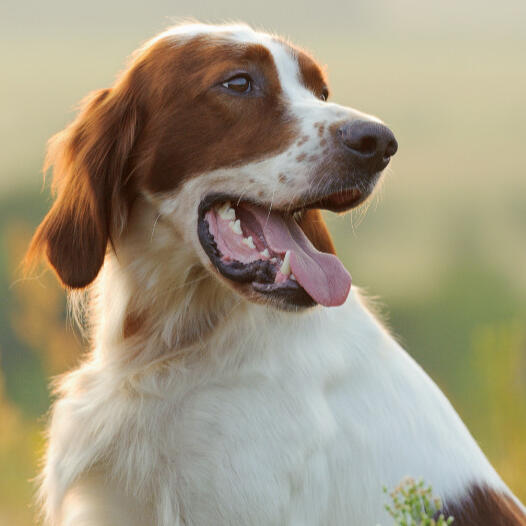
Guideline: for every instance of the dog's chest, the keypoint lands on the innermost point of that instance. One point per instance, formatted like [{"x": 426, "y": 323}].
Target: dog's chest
[{"x": 259, "y": 447}]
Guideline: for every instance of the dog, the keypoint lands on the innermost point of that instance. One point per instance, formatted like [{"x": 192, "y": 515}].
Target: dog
[{"x": 234, "y": 376}]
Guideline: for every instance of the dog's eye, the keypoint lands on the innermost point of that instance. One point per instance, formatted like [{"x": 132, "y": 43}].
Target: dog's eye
[
  {"x": 239, "y": 84},
  {"x": 324, "y": 94}
]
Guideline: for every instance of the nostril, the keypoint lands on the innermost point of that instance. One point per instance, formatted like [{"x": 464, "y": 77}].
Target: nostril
[{"x": 391, "y": 148}]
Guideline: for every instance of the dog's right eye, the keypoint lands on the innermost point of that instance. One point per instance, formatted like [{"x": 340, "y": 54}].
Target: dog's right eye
[{"x": 239, "y": 84}]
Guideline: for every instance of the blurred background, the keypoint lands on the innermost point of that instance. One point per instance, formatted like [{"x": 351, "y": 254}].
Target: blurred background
[{"x": 443, "y": 243}]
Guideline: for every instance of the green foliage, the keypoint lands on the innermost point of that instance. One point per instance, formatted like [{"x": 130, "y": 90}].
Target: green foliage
[{"x": 413, "y": 504}]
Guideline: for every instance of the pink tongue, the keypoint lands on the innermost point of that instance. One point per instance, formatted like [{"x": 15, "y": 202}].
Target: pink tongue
[{"x": 322, "y": 275}]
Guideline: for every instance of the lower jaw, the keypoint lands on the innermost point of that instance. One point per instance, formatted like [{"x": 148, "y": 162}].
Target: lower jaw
[{"x": 292, "y": 295}]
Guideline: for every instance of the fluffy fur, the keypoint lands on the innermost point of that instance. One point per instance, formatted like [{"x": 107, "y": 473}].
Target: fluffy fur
[{"x": 197, "y": 405}]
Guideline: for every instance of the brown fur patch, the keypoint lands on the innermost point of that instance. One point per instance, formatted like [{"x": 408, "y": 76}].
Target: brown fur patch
[
  {"x": 301, "y": 157},
  {"x": 312, "y": 75},
  {"x": 199, "y": 126},
  {"x": 303, "y": 140},
  {"x": 91, "y": 180},
  {"x": 166, "y": 118},
  {"x": 316, "y": 230},
  {"x": 485, "y": 507},
  {"x": 132, "y": 324}
]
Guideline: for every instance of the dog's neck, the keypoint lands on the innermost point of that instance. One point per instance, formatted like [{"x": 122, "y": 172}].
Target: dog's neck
[{"x": 154, "y": 298}]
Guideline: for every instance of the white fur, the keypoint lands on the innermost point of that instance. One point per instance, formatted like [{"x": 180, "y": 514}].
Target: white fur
[{"x": 223, "y": 412}]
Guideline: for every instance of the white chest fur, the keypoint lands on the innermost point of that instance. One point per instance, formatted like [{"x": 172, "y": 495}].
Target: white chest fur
[
  {"x": 309, "y": 432},
  {"x": 288, "y": 419}
]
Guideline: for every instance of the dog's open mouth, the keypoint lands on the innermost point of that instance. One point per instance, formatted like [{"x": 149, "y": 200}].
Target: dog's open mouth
[{"x": 250, "y": 243}]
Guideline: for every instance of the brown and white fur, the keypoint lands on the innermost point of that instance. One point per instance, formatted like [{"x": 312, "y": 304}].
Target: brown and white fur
[{"x": 201, "y": 401}]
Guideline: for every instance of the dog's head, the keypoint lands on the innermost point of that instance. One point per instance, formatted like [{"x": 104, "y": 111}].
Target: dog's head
[{"x": 229, "y": 134}]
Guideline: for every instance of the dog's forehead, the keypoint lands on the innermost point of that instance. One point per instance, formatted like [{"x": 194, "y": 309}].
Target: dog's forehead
[{"x": 298, "y": 71}]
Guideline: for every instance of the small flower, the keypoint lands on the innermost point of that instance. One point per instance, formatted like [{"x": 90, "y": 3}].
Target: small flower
[{"x": 413, "y": 504}]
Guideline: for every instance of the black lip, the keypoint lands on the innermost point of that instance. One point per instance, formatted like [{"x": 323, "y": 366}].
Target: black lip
[
  {"x": 326, "y": 204},
  {"x": 324, "y": 200},
  {"x": 289, "y": 292}
]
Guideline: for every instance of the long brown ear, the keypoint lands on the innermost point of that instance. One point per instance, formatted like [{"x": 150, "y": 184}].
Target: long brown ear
[
  {"x": 90, "y": 160},
  {"x": 316, "y": 230}
]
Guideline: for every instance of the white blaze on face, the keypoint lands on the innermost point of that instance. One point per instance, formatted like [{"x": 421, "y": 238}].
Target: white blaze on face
[{"x": 305, "y": 106}]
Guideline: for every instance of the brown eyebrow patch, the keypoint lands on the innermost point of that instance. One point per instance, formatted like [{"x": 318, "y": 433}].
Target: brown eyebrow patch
[{"x": 312, "y": 75}]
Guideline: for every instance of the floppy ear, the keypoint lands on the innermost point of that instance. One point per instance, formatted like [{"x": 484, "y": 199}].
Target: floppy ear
[
  {"x": 90, "y": 160},
  {"x": 316, "y": 230}
]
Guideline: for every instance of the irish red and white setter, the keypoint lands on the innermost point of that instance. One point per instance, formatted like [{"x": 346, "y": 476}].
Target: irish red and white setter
[{"x": 234, "y": 376}]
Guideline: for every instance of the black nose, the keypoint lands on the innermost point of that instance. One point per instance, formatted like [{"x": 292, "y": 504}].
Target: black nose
[{"x": 370, "y": 144}]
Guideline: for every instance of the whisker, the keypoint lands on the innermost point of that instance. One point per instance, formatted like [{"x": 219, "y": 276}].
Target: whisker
[
  {"x": 271, "y": 204},
  {"x": 29, "y": 278},
  {"x": 240, "y": 198},
  {"x": 154, "y": 225}
]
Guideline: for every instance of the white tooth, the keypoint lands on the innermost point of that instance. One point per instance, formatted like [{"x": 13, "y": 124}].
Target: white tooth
[
  {"x": 285, "y": 266},
  {"x": 292, "y": 277},
  {"x": 273, "y": 260},
  {"x": 226, "y": 211},
  {"x": 265, "y": 253},
  {"x": 223, "y": 206},
  {"x": 249, "y": 242},
  {"x": 236, "y": 227}
]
